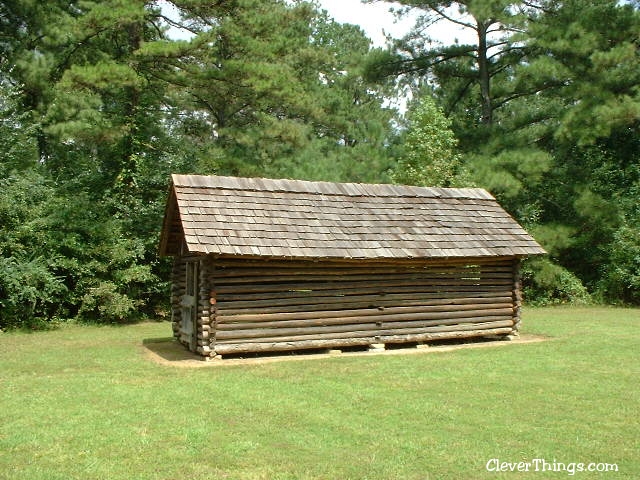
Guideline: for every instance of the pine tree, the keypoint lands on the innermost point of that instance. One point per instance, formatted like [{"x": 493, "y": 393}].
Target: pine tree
[
  {"x": 276, "y": 89},
  {"x": 561, "y": 149}
]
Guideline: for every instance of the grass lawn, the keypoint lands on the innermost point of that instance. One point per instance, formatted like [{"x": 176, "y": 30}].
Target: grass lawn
[{"x": 84, "y": 402}]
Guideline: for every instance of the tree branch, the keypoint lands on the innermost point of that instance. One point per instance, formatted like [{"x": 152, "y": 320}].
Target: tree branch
[
  {"x": 461, "y": 94},
  {"x": 525, "y": 94},
  {"x": 537, "y": 7},
  {"x": 504, "y": 51},
  {"x": 62, "y": 65},
  {"x": 451, "y": 19},
  {"x": 503, "y": 28},
  {"x": 175, "y": 24},
  {"x": 429, "y": 62}
]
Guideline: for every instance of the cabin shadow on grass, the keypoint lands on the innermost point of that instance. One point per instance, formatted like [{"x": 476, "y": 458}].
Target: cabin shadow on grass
[{"x": 169, "y": 351}]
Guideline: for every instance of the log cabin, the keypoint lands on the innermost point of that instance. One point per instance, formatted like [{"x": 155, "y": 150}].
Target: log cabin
[{"x": 262, "y": 265}]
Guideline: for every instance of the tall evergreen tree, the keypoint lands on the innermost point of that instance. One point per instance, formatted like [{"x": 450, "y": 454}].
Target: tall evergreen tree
[
  {"x": 590, "y": 50},
  {"x": 471, "y": 69},
  {"x": 103, "y": 106},
  {"x": 564, "y": 105},
  {"x": 275, "y": 89}
]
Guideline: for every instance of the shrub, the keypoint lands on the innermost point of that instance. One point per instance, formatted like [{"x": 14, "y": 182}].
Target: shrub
[
  {"x": 105, "y": 302},
  {"x": 545, "y": 282},
  {"x": 29, "y": 293},
  {"x": 621, "y": 279}
]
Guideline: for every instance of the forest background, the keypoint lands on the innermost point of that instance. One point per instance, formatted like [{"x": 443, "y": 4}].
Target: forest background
[{"x": 99, "y": 105}]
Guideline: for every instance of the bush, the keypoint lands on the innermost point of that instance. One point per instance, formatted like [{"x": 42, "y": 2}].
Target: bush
[
  {"x": 29, "y": 293},
  {"x": 64, "y": 255},
  {"x": 106, "y": 303},
  {"x": 546, "y": 283},
  {"x": 621, "y": 279}
]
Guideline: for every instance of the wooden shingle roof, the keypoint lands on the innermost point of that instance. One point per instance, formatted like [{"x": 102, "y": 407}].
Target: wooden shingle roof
[{"x": 257, "y": 217}]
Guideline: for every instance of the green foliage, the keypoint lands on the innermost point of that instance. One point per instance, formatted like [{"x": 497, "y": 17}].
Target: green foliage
[
  {"x": 98, "y": 107},
  {"x": 547, "y": 283},
  {"x": 106, "y": 303},
  {"x": 547, "y": 118},
  {"x": 29, "y": 292},
  {"x": 18, "y": 149},
  {"x": 107, "y": 268},
  {"x": 510, "y": 172},
  {"x": 62, "y": 256},
  {"x": 430, "y": 157},
  {"x": 279, "y": 91},
  {"x": 590, "y": 56},
  {"x": 105, "y": 107},
  {"x": 621, "y": 279},
  {"x": 556, "y": 238}
]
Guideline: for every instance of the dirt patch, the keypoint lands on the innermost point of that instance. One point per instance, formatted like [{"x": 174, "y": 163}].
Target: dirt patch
[{"x": 167, "y": 351}]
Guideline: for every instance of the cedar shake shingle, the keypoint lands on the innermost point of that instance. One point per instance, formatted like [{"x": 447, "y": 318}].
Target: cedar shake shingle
[{"x": 229, "y": 216}]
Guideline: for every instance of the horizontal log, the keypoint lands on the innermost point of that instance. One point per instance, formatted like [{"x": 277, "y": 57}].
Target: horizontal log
[
  {"x": 312, "y": 283},
  {"x": 221, "y": 262},
  {"x": 281, "y": 276},
  {"x": 236, "y": 275},
  {"x": 454, "y": 317},
  {"x": 257, "y": 347},
  {"x": 267, "y": 317},
  {"x": 310, "y": 304},
  {"x": 428, "y": 292},
  {"x": 423, "y": 337},
  {"x": 364, "y": 286},
  {"x": 366, "y": 324},
  {"x": 204, "y": 350},
  {"x": 387, "y": 332},
  {"x": 283, "y": 345},
  {"x": 223, "y": 267},
  {"x": 312, "y": 327},
  {"x": 244, "y": 282}
]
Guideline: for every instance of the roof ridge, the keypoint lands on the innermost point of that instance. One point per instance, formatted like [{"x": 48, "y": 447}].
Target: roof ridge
[{"x": 326, "y": 188}]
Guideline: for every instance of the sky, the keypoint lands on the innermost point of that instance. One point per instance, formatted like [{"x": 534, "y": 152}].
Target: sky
[{"x": 374, "y": 18}]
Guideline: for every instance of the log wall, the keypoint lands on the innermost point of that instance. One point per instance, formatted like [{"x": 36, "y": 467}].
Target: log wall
[{"x": 254, "y": 306}]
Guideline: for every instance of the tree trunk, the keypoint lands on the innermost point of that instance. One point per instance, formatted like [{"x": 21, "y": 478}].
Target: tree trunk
[
  {"x": 483, "y": 73},
  {"x": 134, "y": 32}
]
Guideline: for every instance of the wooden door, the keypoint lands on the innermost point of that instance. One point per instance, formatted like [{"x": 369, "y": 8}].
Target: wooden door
[{"x": 189, "y": 331}]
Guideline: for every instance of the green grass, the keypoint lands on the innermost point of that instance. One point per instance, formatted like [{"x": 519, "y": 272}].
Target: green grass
[{"x": 84, "y": 402}]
